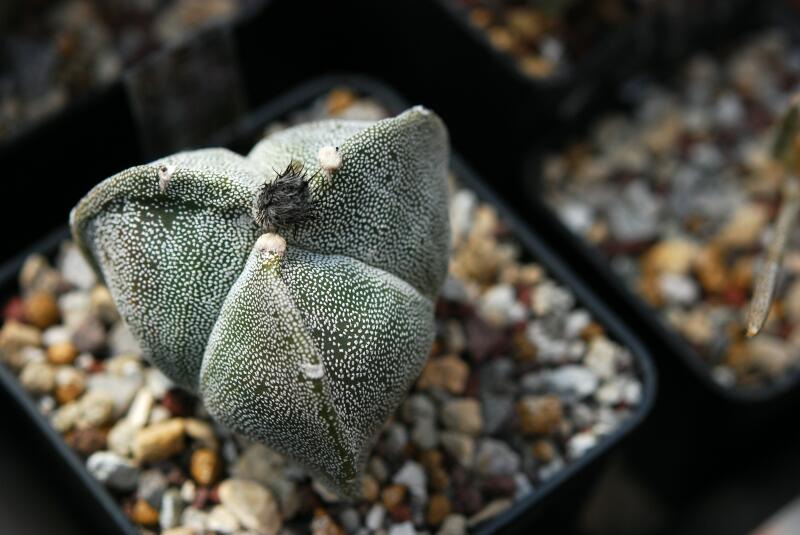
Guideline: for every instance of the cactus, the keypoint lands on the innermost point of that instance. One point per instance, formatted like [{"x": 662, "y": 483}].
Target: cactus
[{"x": 298, "y": 304}]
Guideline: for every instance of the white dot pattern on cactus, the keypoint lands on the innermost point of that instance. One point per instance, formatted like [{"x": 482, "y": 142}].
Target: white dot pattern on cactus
[
  {"x": 306, "y": 342},
  {"x": 170, "y": 258}
]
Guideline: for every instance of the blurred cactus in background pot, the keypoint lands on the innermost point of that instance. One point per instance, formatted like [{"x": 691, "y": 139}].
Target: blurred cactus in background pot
[{"x": 292, "y": 289}]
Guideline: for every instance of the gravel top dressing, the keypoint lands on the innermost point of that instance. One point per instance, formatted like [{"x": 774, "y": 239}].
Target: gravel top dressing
[{"x": 679, "y": 196}]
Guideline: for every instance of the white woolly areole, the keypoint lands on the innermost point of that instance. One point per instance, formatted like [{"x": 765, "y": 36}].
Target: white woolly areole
[
  {"x": 329, "y": 158},
  {"x": 165, "y": 175},
  {"x": 271, "y": 243}
]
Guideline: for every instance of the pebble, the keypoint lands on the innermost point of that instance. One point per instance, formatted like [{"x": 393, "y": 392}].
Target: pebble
[
  {"x": 96, "y": 409},
  {"x": 143, "y": 513},
  {"x": 540, "y": 415},
  {"x": 157, "y": 382},
  {"x": 418, "y": 407},
  {"x": 403, "y": 528},
  {"x": 221, "y": 520},
  {"x": 15, "y": 335},
  {"x": 89, "y": 336},
  {"x": 170, "y": 510},
  {"x": 113, "y": 471},
  {"x": 75, "y": 309},
  {"x": 76, "y": 270},
  {"x": 159, "y": 441},
  {"x": 121, "y": 340},
  {"x": 425, "y": 434},
  {"x": 188, "y": 491},
  {"x": 497, "y": 409},
  {"x": 252, "y": 505},
  {"x": 491, "y": 510},
  {"x": 393, "y": 495},
  {"x": 439, "y": 508},
  {"x": 453, "y": 525},
  {"x": 601, "y": 357},
  {"x": 495, "y": 457},
  {"x": 671, "y": 256},
  {"x": 62, "y": 353},
  {"x": 412, "y": 476},
  {"x": 55, "y": 335},
  {"x": 548, "y": 297},
  {"x": 101, "y": 305},
  {"x": 205, "y": 466},
  {"x": 70, "y": 383},
  {"x": 572, "y": 382},
  {"x": 375, "y": 516},
  {"x": 64, "y": 418},
  {"x": 139, "y": 411},
  {"x": 121, "y": 436},
  {"x": 178, "y": 402},
  {"x": 449, "y": 373},
  {"x": 463, "y": 415},
  {"x": 378, "y": 468},
  {"x": 119, "y": 389},
  {"x": 194, "y": 519},
  {"x": 38, "y": 377},
  {"x": 323, "y": 524},
  {"x": 87, "y": 440},
  {"x": 179, "y": 530},
  {"x": 678, "y": 289},
  {"x": 350, "y": 520},
  {"x": 41, "y": 309},
  {"x": 460, "y": 446},
  {"x": 579, "y": 444},
  {"x": 497, "y": 377},
  {"x": 499, "y": 306},
  {"x": 152, "y": 485},
  {"x": 396, "y": 439},
  {"x": 769, "y": 354},
  {"x": 33, "y": 269},
  {"x": 201, "y": 432}
]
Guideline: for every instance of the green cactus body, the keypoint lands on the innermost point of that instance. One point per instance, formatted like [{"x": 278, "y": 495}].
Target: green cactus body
[
  {"x": 306, "y": 340},
  {"x": 169, "y": 255}
]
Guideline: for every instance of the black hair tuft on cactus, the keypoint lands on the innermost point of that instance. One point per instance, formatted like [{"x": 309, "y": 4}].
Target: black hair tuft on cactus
[{"x": 286, "y": 202}]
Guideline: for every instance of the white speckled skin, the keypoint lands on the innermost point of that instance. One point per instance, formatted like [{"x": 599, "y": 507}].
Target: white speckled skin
[
  {"x": 327, "y": 347},
  {"x": 308, "y": 348},
  {"x": 169, "y": 259}
]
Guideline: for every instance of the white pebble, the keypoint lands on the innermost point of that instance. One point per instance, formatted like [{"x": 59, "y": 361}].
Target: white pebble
[
  {"x": 406, "y": 528},
  {"x": 579, "y": 444},
  {"x": 112, "y": 470},
  {"x": 375, "y": 516}
]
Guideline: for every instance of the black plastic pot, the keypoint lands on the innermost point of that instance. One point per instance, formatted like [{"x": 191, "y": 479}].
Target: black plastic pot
[
  {"x": 567, "y": 93},
  {"x": 555, "y": 498},
  {"x": 727, "y": 426}
]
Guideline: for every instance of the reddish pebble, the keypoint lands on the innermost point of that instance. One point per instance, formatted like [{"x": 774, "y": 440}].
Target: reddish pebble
[
  {"x": 14, "y": 310},
  {"x": 401, "y": 513},
  {"x": 499, "y": 486},
  {"x": 468, "y": 500},
  {"x": 178, "y": 402},
  {"x": 202, "y": 497},
  {"x": 87, "y": 441}
]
